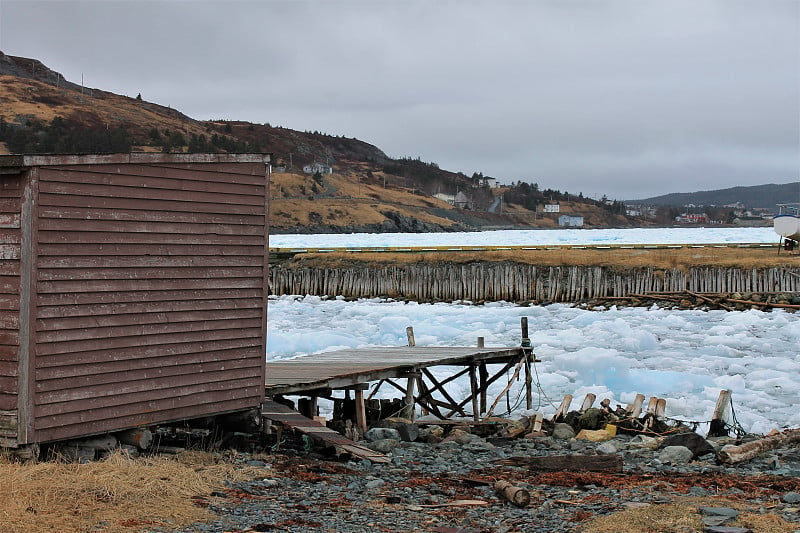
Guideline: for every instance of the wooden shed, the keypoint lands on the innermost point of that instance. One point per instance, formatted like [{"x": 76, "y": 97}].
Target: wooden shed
[{"x": 133, "y": 290}]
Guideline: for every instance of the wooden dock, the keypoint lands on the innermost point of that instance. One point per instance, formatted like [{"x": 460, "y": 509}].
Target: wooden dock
[{"x": 318, "y": 375}]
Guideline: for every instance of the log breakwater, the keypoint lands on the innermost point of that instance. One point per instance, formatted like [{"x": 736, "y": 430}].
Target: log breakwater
[{"x": 488, "y": 281}]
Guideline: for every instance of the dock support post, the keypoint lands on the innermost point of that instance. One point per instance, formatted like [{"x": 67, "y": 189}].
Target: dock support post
[
  {"x": 410, "y": 335},
  {"x": 361, "y": 411},
  {"x": 527, "y": 351},
  {"x": 473, "y": 386},
  {"x": 718, "y": 428},
  {"x": 409, "y": 409},
  {"x": 483, "y": 375}
]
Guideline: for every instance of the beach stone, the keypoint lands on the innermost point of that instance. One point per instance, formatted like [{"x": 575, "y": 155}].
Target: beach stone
[
  {"x": 563, "y": 431},
  {"x": 594, "y": 435},
  {"x": 643, "y": 442},
  {"x": 375, "y": 434},
  {"x": 691, "y": 440},
  {"x": 383, "y": 445},
  {"x": 675, "y": 455},
  {"x": 719, "y": 511},
  {"x": 791, "y": 497},
  {"x": 727, "y": 529},
  {"x": 374, "y": 484},
  {"x": 606, "y": 448}
]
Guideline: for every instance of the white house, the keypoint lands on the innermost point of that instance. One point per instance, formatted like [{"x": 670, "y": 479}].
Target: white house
[
  {"x": 552, "y": 208},
  {"x": 571, "y": 221},
  {"x": 449, "y": 198},
  {"x": 317, "y": 167}
]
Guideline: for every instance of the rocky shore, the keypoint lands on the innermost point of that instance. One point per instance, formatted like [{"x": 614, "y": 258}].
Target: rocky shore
[{"x": 442, "y": 481}]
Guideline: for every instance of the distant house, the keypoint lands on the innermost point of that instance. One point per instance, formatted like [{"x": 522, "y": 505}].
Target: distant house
[
  {"x": 570, "y": 221},
  {"x": 692, "y": 218},
  {"x": 462, "y": 200},
  {"x": 449, "y": 198},
  {"x": 317, "y": 167},
  {"x": 552, "y": 208},
  {"x": 490, "y": 182}
]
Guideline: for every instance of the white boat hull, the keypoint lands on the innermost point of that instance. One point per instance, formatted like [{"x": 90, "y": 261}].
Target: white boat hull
[{"x": 787, "y": 226}]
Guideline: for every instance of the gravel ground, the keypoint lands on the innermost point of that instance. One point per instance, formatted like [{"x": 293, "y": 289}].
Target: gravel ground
[{"x": 447, "y": 487}]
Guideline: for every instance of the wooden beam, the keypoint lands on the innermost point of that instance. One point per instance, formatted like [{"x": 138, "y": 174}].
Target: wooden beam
[
  {"x": 410, "y": 335},
  {"x": 563, "y": 409},
  {"x": 568, "y": 463},
  {"x": 473, "y": 389},
  {"x": 588, "y": 401},
  {"x": 361, "y": 411}
]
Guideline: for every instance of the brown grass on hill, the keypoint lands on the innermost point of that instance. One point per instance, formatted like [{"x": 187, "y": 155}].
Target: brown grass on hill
[
  {"x": 682, "y": 516},
  {"x": 672, "y": 258},
  {"x": 118, "y": 494},
  {"x": 351, "y": 204}
]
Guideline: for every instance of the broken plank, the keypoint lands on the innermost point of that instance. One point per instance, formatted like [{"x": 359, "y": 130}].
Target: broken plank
[{"x": 568, "y": 463}]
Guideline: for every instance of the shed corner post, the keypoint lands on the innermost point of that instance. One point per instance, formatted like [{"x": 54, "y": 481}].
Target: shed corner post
[{"x": 27, "y": 309}]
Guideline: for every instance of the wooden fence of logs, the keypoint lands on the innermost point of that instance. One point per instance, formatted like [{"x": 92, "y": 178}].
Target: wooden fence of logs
[{"x": 523, "y": 283}]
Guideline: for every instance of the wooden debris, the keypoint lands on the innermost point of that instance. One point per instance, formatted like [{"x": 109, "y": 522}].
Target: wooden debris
[
  {"x": 563, "y": 409},
  {"x": 717, "y": 427},
  {"x": 516, "y": 495},
  {"x": 454, "y": 503},
  {"x": 743, "y": 452},
  {"x": 568, "y": 463}
]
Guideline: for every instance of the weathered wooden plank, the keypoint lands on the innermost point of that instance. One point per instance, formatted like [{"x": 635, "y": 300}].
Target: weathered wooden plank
[
  {"x": 111, "y": 237},
  {"x": 146, "y": 193},
  {"x": 9, "y": 220},
  {"x": 63, "y": 377},
  {"x": 130, "y": 226},
  {"x": 9, "y": 252},
  {"x": 149, "y": 273},
  {"x": 140, "y": 215},
  {"x": 8, "y": 381},
  {"x": 8, "y": 400},
  {"x": 117, "y": 320},
  {"x": 9, "y": 284},
  {"x": 153, "y": 204},
  {"x": 86, "y": 298},
  {"x": 149, "y": 249},
  {"x": 113, "y": 343},
  {"x": 180, "y": 408},
  {"x": 116, "y": 405},
  {"x": 568, "y": 463},
  {"x": 144, "y": 285},
  {"x": 131, "y": 308},
  {"x": 230, "y": 173},
  {"x": 143, "y": 330},
  {"x": 189, "y": 352},
  {"x": 128, "y": 261},
  {"x": 163, "y": 180},
  {"x": 141, "y": 382}
]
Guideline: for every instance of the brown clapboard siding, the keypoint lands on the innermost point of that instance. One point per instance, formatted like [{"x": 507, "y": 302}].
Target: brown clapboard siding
[
  {"x": 58, "y": 378},
  {"x": 189, "y": 353},
  {"x": 197, "y": 405},
  {"x": 148, "y": 289}
]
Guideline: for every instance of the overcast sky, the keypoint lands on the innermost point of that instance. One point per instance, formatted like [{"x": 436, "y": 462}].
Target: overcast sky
[{"x": 629, "y": 98}]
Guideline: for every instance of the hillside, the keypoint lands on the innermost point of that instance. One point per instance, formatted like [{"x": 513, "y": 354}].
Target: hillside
[
  {"x": 757, "y": 196},
  {"x": 41, "y": 112}
]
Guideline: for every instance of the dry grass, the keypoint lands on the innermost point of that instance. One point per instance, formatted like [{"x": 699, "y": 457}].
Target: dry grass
[
  {"x": 118, "y": 494},
  {"x": 682, "y": 516},
  {"x": 674, "y": 258},
  {"x": 351, "y": 205}
]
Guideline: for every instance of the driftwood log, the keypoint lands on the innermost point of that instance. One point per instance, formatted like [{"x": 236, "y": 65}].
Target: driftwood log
[
  {"x": 568, "y": 463},
  {"x": 743, "y": 452},
  {"x": 516, "y": 495}
]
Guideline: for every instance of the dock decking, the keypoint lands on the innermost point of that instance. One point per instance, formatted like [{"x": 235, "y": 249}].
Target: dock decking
[
  {"x": 319, "y": 375},
  {"x": 342, "y": 369}
]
